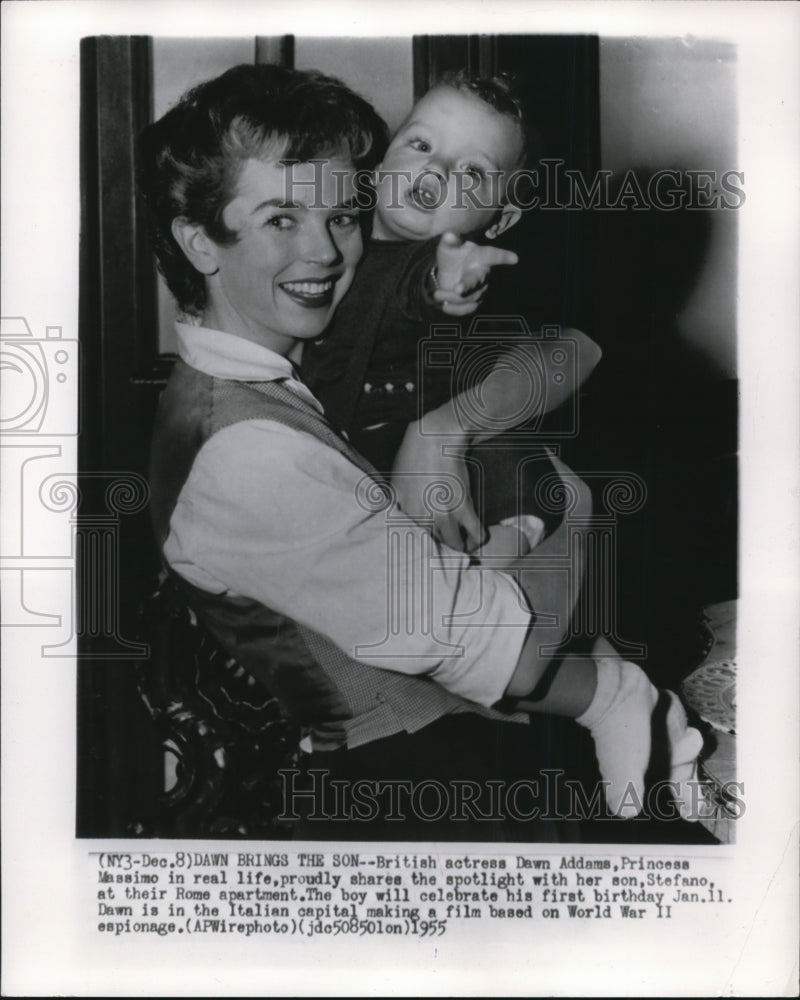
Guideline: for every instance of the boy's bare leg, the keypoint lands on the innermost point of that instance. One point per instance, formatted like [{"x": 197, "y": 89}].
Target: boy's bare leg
[{"x": 571, "y": 691}]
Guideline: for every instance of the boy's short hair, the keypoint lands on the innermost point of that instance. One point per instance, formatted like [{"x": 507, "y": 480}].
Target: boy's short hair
[
  {"x": 502, "y": 93},
  {"x": 190, "y": 160}
]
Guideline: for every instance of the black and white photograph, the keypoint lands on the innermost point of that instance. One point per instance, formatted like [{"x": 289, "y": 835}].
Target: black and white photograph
[
  {"x": 440, "y": 562},
  {"x": 400, "y": 427}
]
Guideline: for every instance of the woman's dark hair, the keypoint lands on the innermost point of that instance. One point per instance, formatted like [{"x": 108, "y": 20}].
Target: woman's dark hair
[{"x": 190, "y": 160}]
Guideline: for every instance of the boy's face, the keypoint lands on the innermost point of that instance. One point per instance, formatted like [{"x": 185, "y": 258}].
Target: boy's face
[{"x": 446, "y": 169}]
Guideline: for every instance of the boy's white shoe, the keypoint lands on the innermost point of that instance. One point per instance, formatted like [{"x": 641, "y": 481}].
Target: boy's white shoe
[{"x": 685, "y": 744}]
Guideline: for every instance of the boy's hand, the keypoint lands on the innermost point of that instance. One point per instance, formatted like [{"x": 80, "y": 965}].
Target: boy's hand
[{"x": 462, "y": 270}]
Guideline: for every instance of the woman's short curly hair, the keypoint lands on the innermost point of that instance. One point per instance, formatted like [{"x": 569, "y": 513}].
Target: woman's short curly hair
[{"x": 189, "y": 161}]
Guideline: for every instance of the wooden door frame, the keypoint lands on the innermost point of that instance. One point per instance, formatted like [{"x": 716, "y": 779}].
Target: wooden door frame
[{"x": 119, "y": 767}]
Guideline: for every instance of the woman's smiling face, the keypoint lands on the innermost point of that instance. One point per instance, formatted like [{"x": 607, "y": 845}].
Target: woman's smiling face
[{"x": 298, "y": 244}]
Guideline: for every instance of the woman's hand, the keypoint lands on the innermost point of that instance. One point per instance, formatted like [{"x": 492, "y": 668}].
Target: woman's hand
[{"x": 432, "y": 485}]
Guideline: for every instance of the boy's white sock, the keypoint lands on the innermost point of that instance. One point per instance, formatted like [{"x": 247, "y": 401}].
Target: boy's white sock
[{"x": 619, "y": 719}]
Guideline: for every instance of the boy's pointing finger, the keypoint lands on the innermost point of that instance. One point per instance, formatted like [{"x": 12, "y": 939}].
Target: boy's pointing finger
[{"x": 495, "y": 257}]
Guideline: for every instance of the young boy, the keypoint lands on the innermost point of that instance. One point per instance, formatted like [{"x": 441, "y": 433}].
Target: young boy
[{"x": 447, "y": 179}]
